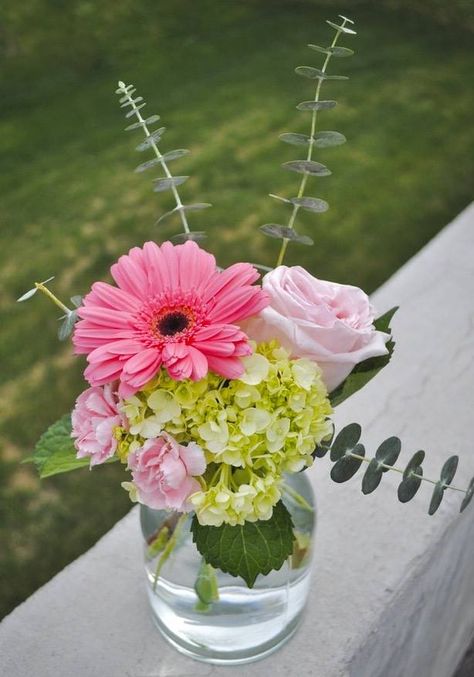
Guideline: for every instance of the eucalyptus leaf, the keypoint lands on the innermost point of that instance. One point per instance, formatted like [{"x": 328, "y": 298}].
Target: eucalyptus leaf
[
  {"x": 411, "y": 478},
  {"x": 148, "y": 165},
  {"x": 324, "y": 446},
  {"x": 250, "y": 549},
  {"x": 76, "y": 300},
  {"x": 136, "y": 125},
  {"x": 316, "y": 105},
  {"x": 311, "y": 204},
  {"x": 344, "y": 18},
  {"x": 135, "y": 110},
  {"x": 27, "y": 295},
  {"x": 295, "y": 139},
  {"x": 67, "y": 326},
  {"x": 175, "y": 154},
  {"x": 307, "y": 167},
  {"x": 345, "y": 441},
  {"x": 449, "y": 470},
  {"x": 341, "y": 29},
  {"x": 195, "y": 235},
  {"x": 321, "y": 50},
  {"x": 388, "y": 452},
  {"x": 167, "y": 183},
  {"x": 341, "y": 51},
  {"x": 468, "y": 497},
  {"x": 372, "y": 477},
  {"x": 366, "y": 370},
  {"x": 347, "y": 466},
  {"x": 154, "y": 138},
  {"x": 436, "y": 498},
  {"x": 283, "y": 232},
  {"x": 326, "y": 139},
  {"x": 310, "y": 72}
]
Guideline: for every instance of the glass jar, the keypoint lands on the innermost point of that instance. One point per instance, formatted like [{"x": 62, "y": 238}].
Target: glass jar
[{"x": 243, "y": 624}]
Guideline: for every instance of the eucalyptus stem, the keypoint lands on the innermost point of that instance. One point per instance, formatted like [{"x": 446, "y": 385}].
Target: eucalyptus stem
[
  {"x": 154, "y": 145},
  {"x": 40, "y": 286},
  {"x": 366, "y": 459},
  {"x": 309, "y": 155}
]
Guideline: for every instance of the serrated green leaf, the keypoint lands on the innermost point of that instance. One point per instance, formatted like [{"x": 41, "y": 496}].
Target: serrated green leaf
[
  {"x": 284, "y": 233},
  {"x": 307, "y": 167},
  {"x": 345, "y": 441},
  {"x": 468, "y": 497},
  {"x": 436, "y": 498},
  {"x": 248, "y": 550},
  {"x": 388, "y": 452},
  {"x": 366, "y": 370},
  {"x": 316, "y": 105},
  {"x": 372, "y": 477},
  {"x": 347, "y": 466},
  {"x": 311, "y": 204},
  {"x": 55, "y": 452}
]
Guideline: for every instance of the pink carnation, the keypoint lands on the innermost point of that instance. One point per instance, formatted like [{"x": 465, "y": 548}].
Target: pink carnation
[
  {"x": 163, "y": 472},
  {"x": 172, "y": 307},
  {"x": 94, "y": 418}
]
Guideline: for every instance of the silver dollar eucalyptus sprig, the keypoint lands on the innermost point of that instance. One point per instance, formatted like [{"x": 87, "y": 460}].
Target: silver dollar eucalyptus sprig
[
  {"x": 322, "y": 139},
  {"x": 134, "y": 104},
  {"x": 68, "y": 319},
  {"x": 348, "y": 454}
]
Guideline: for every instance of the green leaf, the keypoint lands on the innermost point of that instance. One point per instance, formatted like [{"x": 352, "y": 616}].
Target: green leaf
[
  {"x": 324, "y": 446},
  {"x": 307, "y": 167},
  {"x": 67, "y": 326},
  {"x": 345, "y": 441},
  {"x": 284, "y": 233},
  {"x": 311, "y": 204},
  {"x": 347, "y": 466},
  {"x": 55, "y": 452},
  {"x": 372, "y": 477},
  {"x": 410, "y": 484},
  {"x": 326, "y": 139},
  {"x": 316, "y": 105},
  {"x": 248, "y": 550},
  {"x": 366, "y": 370},
  {"x": 468, "y": 497}
]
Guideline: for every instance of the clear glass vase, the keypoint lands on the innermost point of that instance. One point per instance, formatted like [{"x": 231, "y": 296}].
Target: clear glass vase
[{"x": 243, "y": 624}]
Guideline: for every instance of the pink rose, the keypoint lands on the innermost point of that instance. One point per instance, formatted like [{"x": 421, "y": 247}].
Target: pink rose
[
  {"x": 329, "y": 323},
  {"x": 94, "y": 418},
  {"x": 163, "y": 472}
]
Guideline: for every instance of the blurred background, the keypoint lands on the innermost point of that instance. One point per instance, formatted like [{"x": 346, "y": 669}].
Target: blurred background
[{"x": 221, "y": 75}]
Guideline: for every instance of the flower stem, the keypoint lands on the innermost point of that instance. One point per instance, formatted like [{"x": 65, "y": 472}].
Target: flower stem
[
  {"x": 168, "y": 549},
  {"x": 153, "y": 144},
  {"x": 297, "y": 498},
  {"x": 42, "y": 288},
  {"x": 309, "y": 155}
]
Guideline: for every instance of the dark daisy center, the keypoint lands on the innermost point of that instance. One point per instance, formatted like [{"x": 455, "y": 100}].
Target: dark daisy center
[{"x": 172, "y": 323}]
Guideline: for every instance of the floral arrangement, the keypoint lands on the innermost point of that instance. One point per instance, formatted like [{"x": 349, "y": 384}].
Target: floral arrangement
[{"x": 210, "y": 386}]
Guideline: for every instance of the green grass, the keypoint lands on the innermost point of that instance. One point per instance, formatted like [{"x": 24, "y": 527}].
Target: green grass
[{"x": 223, "y": 83}]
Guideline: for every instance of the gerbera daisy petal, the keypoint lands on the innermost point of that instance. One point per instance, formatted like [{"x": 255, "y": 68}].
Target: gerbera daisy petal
[{"x": 229, "y": 367}]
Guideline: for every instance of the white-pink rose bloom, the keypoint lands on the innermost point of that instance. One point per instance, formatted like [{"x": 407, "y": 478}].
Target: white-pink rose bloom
[
  {"x": 163, "y": 472},
  {"x": 94, "y": 418},
  {"x": 327, "y": 322}
]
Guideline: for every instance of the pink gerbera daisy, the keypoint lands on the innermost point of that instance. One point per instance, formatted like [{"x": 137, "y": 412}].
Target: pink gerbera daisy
[{"x": 171, "y": 308}]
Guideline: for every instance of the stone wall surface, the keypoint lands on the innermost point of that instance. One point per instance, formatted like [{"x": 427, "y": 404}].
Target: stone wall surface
[{"x": 393, "y": 589}]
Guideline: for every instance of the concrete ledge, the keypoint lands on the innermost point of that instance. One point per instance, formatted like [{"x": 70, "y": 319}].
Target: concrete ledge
[{"x": 393, "y": 592}]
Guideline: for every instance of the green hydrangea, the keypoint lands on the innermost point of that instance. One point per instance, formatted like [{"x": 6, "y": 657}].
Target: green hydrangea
[{"x": 252, "y": 429}]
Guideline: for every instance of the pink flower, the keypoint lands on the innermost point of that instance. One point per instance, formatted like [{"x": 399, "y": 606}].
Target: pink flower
[
  {"x": 94, "y": 418},
  {"x": 172, "y": 307},
  {"x": 329, "y": 323},
  {"x": 163, "y": 472}
]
